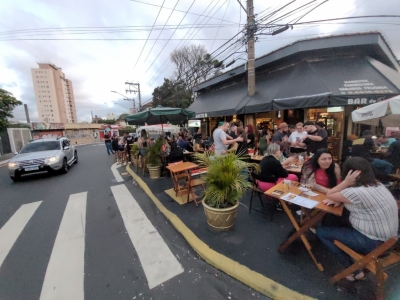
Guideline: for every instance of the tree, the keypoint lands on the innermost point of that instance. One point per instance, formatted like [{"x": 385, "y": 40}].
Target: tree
[
  {"x": 7, "y": 104},
  {"x": 122, "y": 116},
  {"x": 194, "y": 65},
  {"x": 172, "y": 94}
]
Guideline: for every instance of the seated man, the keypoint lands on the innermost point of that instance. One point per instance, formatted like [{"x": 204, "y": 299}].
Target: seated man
[
  {"x": 183, "y": 144},
  {"x": 363, "y": 146},
  {"x": 393, "y": 153},
  {"x": 384, "y": 141}
]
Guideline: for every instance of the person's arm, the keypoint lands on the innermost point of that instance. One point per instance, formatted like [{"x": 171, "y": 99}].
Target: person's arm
[
  {"x": 337, "y": 173},
  {"x": 335, "y": 194},
  {"x": 390, "y": 150},
  {"x": 228, "y": 142},
  {"x": 228, "y": 137}
]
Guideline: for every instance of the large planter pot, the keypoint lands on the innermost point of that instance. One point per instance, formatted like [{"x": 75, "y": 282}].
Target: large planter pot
[
  {"x": 154, "y": 172},
  {"x": 220, "y": 219}
]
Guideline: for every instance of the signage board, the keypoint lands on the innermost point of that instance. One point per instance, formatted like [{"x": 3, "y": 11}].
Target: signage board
[{"x": 194, "y": 123}]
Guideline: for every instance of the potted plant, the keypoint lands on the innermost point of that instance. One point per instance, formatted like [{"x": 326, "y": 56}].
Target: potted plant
[
  {"x": 226, "y": 182},
  {"x": 153, "y": 159},
  {"x": 134, "y": 153}
]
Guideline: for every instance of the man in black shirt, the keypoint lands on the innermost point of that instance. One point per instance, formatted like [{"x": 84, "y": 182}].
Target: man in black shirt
[
  {"x": 198, "y": 135},
  {"x": 128, "y": 142},
  {"x": 107, "y": 141},
  {"x": 315, "y": 138}
]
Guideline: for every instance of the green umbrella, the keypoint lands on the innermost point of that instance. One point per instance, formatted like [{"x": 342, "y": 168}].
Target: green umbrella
[{"x": 160, "y": 115}]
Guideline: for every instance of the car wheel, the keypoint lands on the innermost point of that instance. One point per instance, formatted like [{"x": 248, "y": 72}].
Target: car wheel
[
  {"x": 76, "y": 157},
  {"x": 15, "y": 178},
  {"x": 64, "y": 168}
]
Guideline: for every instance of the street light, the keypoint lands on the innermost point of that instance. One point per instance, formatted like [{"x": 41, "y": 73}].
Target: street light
[{"x": 126, "y": 98}]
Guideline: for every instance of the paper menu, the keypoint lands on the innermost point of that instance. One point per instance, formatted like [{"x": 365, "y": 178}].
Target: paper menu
[{"x": 293, "y": 198}]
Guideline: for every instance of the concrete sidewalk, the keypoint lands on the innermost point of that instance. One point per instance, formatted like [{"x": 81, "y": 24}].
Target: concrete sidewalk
[{"x": 248, "y": 252}]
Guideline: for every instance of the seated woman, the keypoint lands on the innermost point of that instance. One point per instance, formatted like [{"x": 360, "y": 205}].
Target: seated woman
[
  {"x": 272, "y": 170},
  {"x": 198, "y": 146},
  {"x": 373, "y": 213},
  {"x": 321, "y": 171}
]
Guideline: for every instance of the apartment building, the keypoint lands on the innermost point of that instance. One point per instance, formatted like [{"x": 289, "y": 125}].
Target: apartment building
[{"x": 54, "y": 94}]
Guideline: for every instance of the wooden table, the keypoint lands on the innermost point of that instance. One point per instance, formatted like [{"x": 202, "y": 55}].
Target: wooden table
[
  {"x": 295, "y": 169},
  {"x": 257, "y": 157},
  {"x": 311, "y": 217},
  {"x": 179, "y": 169}
]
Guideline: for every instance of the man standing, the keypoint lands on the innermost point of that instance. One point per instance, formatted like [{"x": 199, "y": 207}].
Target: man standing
[
  {"x": 107, "y": 141},
  {"x": 233, "y": 132},
  {"x": 128, "y": 142},
  {"x": 198, "y": 135},
  {"x": 222, "y": 139},
  {"x": 314, "y": 139},
  {"x": 297, "y": 136},
  {"x": 280, "y": 137},
  {"x": 363, "y": 146}
]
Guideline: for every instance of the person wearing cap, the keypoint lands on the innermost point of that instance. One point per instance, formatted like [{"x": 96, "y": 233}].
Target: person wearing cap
[
  {"x": 222, "y": 139},
  {"x": 363, "y": 146},
  {"x": 281, "y": 138},
  {"x": 314, "y": 139}
]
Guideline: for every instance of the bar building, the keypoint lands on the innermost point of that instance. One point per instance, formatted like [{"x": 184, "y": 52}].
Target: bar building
[
  {"x": 54, "y": 94},
  {"x": 321, "y": 79}
]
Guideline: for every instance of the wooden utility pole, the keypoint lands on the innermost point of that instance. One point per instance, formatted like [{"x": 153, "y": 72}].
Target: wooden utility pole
[{"x": 251, "y": 74}]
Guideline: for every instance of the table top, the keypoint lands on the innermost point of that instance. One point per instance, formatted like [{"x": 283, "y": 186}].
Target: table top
[
  {"x": 294, "y": 169},
  {"x": 257, "y": 157},
  {"x": 294, "y": 188},
  {"x": 182, "y": 167}
]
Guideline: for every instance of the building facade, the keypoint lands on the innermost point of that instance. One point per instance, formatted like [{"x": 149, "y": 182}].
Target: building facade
[{"x": 54, "y": 94}]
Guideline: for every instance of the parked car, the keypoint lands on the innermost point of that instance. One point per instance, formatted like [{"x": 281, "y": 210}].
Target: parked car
[{"x": 43, "y": 155}]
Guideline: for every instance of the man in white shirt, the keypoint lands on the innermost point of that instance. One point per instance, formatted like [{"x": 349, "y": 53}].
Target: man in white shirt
[
  {"x": 297, "y": 136},
  {"x": 222, "y": 139}
]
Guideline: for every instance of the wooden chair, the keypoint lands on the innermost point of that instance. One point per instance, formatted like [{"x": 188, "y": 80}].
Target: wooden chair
[
  {"x": 272, "y": 203},
  {"x": 384, "y": 256},
  {"x": 178, "y": 177},
  {"x": 193, "y": 183}
]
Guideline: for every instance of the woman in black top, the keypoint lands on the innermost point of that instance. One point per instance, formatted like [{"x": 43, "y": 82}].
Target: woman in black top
[
  {"x": 241, "y": 148},
  {"x": 250, "y": 135},
  {"x": 272, "y": 170}
]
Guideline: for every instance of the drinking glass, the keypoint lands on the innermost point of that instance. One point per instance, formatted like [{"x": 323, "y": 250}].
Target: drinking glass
[
  {"x": 303, "y": 182},
  {"x": 309, "y": 186}
]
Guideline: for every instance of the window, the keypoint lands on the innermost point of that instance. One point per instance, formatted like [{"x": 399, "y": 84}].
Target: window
[{"x": 41, "y": 146}]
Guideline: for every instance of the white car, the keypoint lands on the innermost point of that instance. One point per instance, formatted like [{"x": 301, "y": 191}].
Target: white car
[{"x": 43, "y": 155}]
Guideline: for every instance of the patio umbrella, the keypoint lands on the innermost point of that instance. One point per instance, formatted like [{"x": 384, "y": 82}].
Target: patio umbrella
[
  {"x": 386, "y": 111},
  {"x": 160, "y": 115}
]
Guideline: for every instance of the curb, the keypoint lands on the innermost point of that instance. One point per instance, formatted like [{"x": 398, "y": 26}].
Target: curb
[{"x": 253, "y": 279}]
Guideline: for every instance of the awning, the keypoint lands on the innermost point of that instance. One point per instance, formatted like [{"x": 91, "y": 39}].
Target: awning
[{"x": 219, "y": 103}]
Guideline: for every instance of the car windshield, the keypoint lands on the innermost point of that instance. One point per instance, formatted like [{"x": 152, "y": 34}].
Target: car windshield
[{"x": 41, "y": 146}]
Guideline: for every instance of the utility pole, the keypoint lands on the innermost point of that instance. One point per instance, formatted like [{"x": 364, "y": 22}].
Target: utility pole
[
  {"x": 135, "y": 88},
  {"x": 250, "y": 49},
  {"x": 27, "y": 113}
]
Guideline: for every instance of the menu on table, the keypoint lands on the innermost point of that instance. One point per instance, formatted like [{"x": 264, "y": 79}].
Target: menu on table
[{"x": 295, "y": 199}]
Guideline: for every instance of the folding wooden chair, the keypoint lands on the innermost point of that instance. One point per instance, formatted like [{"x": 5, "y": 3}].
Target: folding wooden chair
[
  {"x": 195, "y": 182},
  {"x": 178, "y": 177}
]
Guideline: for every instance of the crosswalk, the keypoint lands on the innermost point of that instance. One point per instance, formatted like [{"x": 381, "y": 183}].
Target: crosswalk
[{"x": 65, "y": 273}]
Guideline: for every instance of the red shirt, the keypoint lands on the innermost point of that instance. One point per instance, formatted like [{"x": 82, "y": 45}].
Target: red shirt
[{"x": 322, "y": 179}]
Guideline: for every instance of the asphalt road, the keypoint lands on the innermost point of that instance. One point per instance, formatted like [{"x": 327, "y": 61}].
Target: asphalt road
[{"x": 83, "y": 235}]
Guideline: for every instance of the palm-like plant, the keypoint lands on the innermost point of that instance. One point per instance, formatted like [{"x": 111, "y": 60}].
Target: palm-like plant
[
  {"x": 226, "y": 178},
  {"x": 154, "y": 154}
]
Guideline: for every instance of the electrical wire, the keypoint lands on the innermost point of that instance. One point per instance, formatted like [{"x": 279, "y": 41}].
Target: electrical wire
[
  {"x": 149, "y": 33},
  {"x": 226, "y": 9},
  {"x": 180, "y": 10}
]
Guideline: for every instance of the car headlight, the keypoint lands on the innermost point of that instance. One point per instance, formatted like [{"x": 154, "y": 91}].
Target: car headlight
[
  {"x": 13, "y": 164},
  {"x": 52, "y": 159}
]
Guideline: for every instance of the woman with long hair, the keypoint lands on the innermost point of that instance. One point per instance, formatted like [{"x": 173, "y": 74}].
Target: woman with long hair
[
  {"x": 373, "y": 213},
  {"x": 250, "y": 135},
  {"x": 272, "y": 169},
  {"x": 264, "y": 141},
  {"x": 321, "y": 171},
  {"x": 241, "y": 147}
]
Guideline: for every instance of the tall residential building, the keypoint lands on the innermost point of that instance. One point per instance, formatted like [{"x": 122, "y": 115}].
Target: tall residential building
[{"x": 54, "y": 94}]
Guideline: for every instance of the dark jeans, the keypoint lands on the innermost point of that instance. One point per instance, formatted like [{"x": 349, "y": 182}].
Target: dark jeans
[
  {"x": 349, "y": 237},
  {"x": 108, "y": 146}
]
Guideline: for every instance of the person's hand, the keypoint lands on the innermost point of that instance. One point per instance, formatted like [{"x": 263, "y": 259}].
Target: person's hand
[
  {"x": 239, "y": 139},
  {"x": 304, "y": 137},
  {"x": 352, "y": 177},
  {"x": 331, "y": 202},
  {"x": 285, "y": 139},
  {"x": 290, "y": 159}
]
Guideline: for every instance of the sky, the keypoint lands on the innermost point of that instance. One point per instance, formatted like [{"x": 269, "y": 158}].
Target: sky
[{"x": 100, "y": 45}]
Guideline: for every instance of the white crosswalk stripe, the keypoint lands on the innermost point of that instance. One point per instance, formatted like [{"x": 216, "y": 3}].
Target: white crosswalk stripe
[
  {"x": 65, "y": 271},
  {"x": 64, "y": 277},
  {"x": 13, "y": 228},
  {"x": 158, "y": 262}
]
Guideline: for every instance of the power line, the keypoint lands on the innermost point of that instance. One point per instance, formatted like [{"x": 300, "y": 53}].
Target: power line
[
  {"x": 170, "y": 37},
  {"x": 180, "y": 11},
  {"x": 149, "y": 34},
  {"x": 212, "y": 45}
]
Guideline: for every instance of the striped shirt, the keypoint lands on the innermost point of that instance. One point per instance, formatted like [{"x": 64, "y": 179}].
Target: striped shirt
[{"x": 373, "y": 211}]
